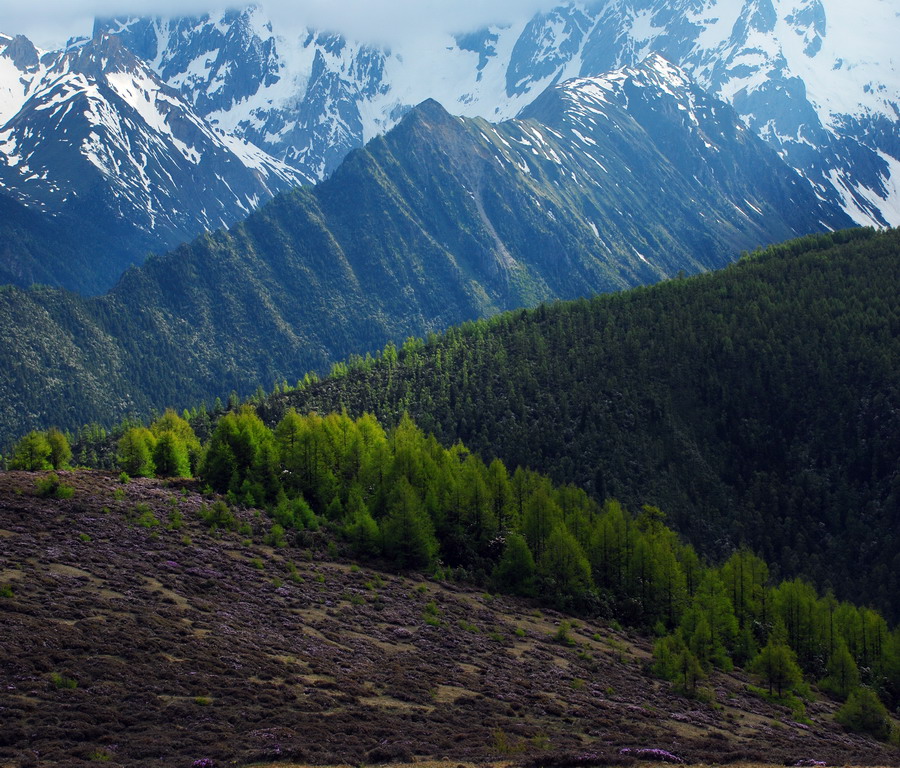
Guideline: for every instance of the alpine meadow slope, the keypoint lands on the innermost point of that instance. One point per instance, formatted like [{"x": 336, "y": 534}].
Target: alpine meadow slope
[
  {"x": 156, "y": 635},
  {"x": 442, "y": 220}
]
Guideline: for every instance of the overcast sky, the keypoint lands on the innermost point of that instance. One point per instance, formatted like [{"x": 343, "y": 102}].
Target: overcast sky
[{"x": 50, "y": 22}]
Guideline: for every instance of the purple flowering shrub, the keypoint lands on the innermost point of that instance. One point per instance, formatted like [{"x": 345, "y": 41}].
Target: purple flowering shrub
[{"x": 651, "y": 754}]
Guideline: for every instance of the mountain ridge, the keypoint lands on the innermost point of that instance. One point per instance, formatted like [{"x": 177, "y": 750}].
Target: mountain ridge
[
  {"x": 807, "y": 76},
  {"x": 793, "y": 70},
  {"x": 442, "y": 220}
]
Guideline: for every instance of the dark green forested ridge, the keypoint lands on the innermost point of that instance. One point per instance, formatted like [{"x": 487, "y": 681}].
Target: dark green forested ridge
[
  {"x": 437, "y": 222},
  {"x": 75, "y": 248},
  {"x": 757, "y": 405}
]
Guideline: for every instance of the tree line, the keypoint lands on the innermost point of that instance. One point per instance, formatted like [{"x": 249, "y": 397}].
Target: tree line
[{"x": 399, "y": 497}]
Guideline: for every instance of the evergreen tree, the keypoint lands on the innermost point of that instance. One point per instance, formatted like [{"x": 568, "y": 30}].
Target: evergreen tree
[
  {"x": 60, "y": 451},
  {"x": 777, "y": 664},
  {"x": 32, "y": 453},
  {"x": 843, "y": 675},
  {"x": 501, "y": 494},
  {"x": 360, "y": 527},
  {"x": 295, "y": 514},
  {"x": 291, "y": 434},
  {"x": 242, "y": 457},
  {"x": 795, "y": 606},
  {"x": 563, "y": 566},
  {"x": 541, "y": 518},
  {"x": 170, "y": 456},
  {"x": 709, "y": 624},
  {"x": 407, "y": 532},
  {"x": 516, "y": 570},
  {"x": 179, "y": 427},
  {"x": 135, "y": 452},
  {"x": 612, "y": 542},
  {"x": 863, "y": 712},
  {"x": 673, "y": 660},
  {"x": 745, "y": 576}
]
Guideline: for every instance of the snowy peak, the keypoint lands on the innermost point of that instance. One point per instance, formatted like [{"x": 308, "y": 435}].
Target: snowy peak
[
  {"x": 104, "y": 55},
  {"x": 20, "y": 65},
  {"x": 695, "y": 136},
  {"x": 654, "y": 89},
  {"x": 816, "y": 79},
  {"x": 97, "y": 133},
  {"x": 810, "y": 24},
  {"x": 656, "y": 73},
  {"x": 227, "y": 58},
  {"x": 299, "y": 99},
  {"x": 548, "y": 44},
  {"x": 20, "y": 51},
  {"x": 205, "y": 116},
  {"x": 811, "y": 77},
  {"x": 135, "y": 130}
]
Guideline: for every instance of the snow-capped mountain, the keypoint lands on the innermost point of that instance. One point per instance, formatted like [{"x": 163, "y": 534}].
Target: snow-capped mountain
[
  {"x": 719, "y": 168},
  {"x": 94, "y": 132},
  {"x": 156, "y": 129},
  {"x": 817, "y": 79},
  {"x": 20, "y": 65}
]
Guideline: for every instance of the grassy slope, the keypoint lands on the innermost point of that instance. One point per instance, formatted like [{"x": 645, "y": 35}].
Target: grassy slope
[{"x": 208, "y": 646}]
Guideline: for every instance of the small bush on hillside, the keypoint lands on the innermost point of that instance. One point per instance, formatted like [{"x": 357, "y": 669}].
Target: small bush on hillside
[
  {"x": 219, "y": 515},
  {"x": 144, "y": 516},
  {"x": 563, "y": 634},
  {"x": 62, "y": 682},
  {"x": 864, "y": 713},
  {"x": 52, "y": 487}
]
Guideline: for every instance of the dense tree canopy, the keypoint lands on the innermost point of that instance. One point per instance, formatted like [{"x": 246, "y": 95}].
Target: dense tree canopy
[
  {"x": 41, "y": 450},
  {"x": 757, "y": 405}
]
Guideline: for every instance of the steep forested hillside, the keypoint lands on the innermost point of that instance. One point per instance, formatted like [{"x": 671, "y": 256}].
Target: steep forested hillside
[
  {"x": 63, "y": 249},
  {"x": 758, "y": 405},
  {"x": 781, "y": 369},
  {"x": 442, "y": 220}
]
